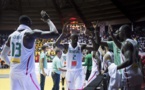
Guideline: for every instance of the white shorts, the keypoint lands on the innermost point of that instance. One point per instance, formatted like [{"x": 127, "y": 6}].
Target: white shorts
[
  {"x": 21, "y": 81},
  {"x": 63, "y": 74},
  {"x": 75, "y": 79}
]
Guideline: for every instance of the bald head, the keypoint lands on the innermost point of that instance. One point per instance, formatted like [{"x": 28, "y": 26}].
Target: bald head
[
  {"x": 74, "y": 37},
  {"x": 125, "y": 28},
  {"x": 125, "y": 32}
]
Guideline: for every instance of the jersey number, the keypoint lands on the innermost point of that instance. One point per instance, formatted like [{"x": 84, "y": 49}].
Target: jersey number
[
  {"x": 16, "y": 48},
  {"x": 74, "y": 57}
]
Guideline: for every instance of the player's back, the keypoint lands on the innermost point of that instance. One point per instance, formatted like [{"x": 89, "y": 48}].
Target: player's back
[{"x": 22, "y": 58}]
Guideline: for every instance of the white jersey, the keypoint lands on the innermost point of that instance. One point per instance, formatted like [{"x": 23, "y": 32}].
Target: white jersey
[
  {"x": 63, "y": 59},
  {"x": 94, "y": 71},
  {"x": 22, "y": 58},
  {"x": 132, "y": 75},
  {"x": 95, "y": 63},
  {"x": 74, "y": 57},
  {"x": 74, "y": 74},
  {"x": 104, "y": 63}
]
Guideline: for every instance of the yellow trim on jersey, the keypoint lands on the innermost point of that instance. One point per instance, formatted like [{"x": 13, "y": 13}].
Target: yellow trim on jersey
[{"x": 15, "y": 60}]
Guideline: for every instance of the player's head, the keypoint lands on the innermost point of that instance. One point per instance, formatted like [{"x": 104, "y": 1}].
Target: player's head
[
  {"x": 44, "y": 48},
  {"x": 103, "y": 50},
  {"x": 124, "y": 32},
  {"x": 24, "y": 19},
  {"x": 58, "y": 52},
  {"x": 89, "y": 52},
  {"x": 74, "y": 37}
]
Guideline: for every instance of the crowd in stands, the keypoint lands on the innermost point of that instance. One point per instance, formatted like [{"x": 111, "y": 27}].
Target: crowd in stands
[{"x": 137, "y": 35}]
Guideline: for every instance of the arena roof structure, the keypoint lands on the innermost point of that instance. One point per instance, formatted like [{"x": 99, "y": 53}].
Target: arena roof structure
[{"x": 60, "y": 11}]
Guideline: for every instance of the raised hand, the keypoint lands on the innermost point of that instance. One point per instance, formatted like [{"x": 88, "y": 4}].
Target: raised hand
[
  {"x": 95, "y": 24},
  {"x": 88, "y": 33},
  {"x": 110, "y": 29},
  {"x": 96, "y": 30},
  {"x": 65, "y": 28},
  {"x": 44, "y": 16}
]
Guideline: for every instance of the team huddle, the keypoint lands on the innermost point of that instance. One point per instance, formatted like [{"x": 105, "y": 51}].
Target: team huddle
[{"x": 118, "y": 58}]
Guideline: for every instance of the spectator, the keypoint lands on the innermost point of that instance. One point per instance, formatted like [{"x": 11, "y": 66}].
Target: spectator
[
  {"x": 56, "y": 69},
  {"x": 43, "y": 66},
  {"x": 88, "y": 63}
]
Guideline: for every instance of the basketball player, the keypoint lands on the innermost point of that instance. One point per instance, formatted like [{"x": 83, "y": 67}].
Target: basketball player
[
  {"x": 112, "y": 46},
  {"x": 96, "y": 63},
  {"x": 21, "y": 44},
  {"x": 63, "y": 74},
  {"x": 107, "y": 57},
  {"x": 74, "y": 74},
  {"x": 131, "y": 73}
]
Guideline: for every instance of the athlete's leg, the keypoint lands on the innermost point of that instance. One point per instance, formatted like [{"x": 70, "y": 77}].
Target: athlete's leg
[
  {"x": 79, "y": 80},
  {"x": 32, "y": 83},
  {"x": 70, "y": 80}
]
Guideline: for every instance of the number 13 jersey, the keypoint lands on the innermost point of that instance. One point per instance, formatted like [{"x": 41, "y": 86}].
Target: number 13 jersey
[
  {"x": 22, "y": 58},
  {"x": 74, "y": 57}
]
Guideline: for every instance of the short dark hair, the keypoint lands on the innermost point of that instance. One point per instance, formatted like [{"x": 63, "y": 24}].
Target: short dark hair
[
  {"x": 24, "y": 19},
  {"x": 103, "y": 48},
  {"x": 89, "y": 51},
  {"x": 44, "y": 47},
  {"x": 110, "y": 38},
  {"x": 57, "y": 50}
]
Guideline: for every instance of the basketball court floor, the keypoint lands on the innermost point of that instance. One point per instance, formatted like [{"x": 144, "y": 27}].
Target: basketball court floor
[{"x": 5, "y": 81}]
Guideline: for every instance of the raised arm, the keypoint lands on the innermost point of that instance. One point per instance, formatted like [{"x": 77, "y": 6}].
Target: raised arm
[
  {"x": 5, "y": 51},
  {"x": 94, "y": 46},
  {"x": 117, "y": 42},
  {"x": 98, "y": 38},
  {"x": 62, "y": 36},
  {"x": 44, "y": 34}
]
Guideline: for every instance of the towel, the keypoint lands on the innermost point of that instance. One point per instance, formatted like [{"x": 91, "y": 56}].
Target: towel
[{"x": 115, "y": 77}]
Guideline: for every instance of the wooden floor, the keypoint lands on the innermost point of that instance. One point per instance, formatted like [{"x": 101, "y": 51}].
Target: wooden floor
[{"x": 5, "y": 81}]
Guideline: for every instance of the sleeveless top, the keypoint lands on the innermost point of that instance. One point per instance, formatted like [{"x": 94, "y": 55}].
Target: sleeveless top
[
  {"x": 104, "y": 63},
  {"x": 132, "y": 75},
  {"x": 74, "y": 57},
  {"x": 22, "y": 58}
]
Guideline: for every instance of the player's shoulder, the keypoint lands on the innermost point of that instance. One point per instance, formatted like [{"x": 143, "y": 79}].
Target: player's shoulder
[
  {"x": 27, "y": 31},
  {"x": 127, "y": 46}
]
